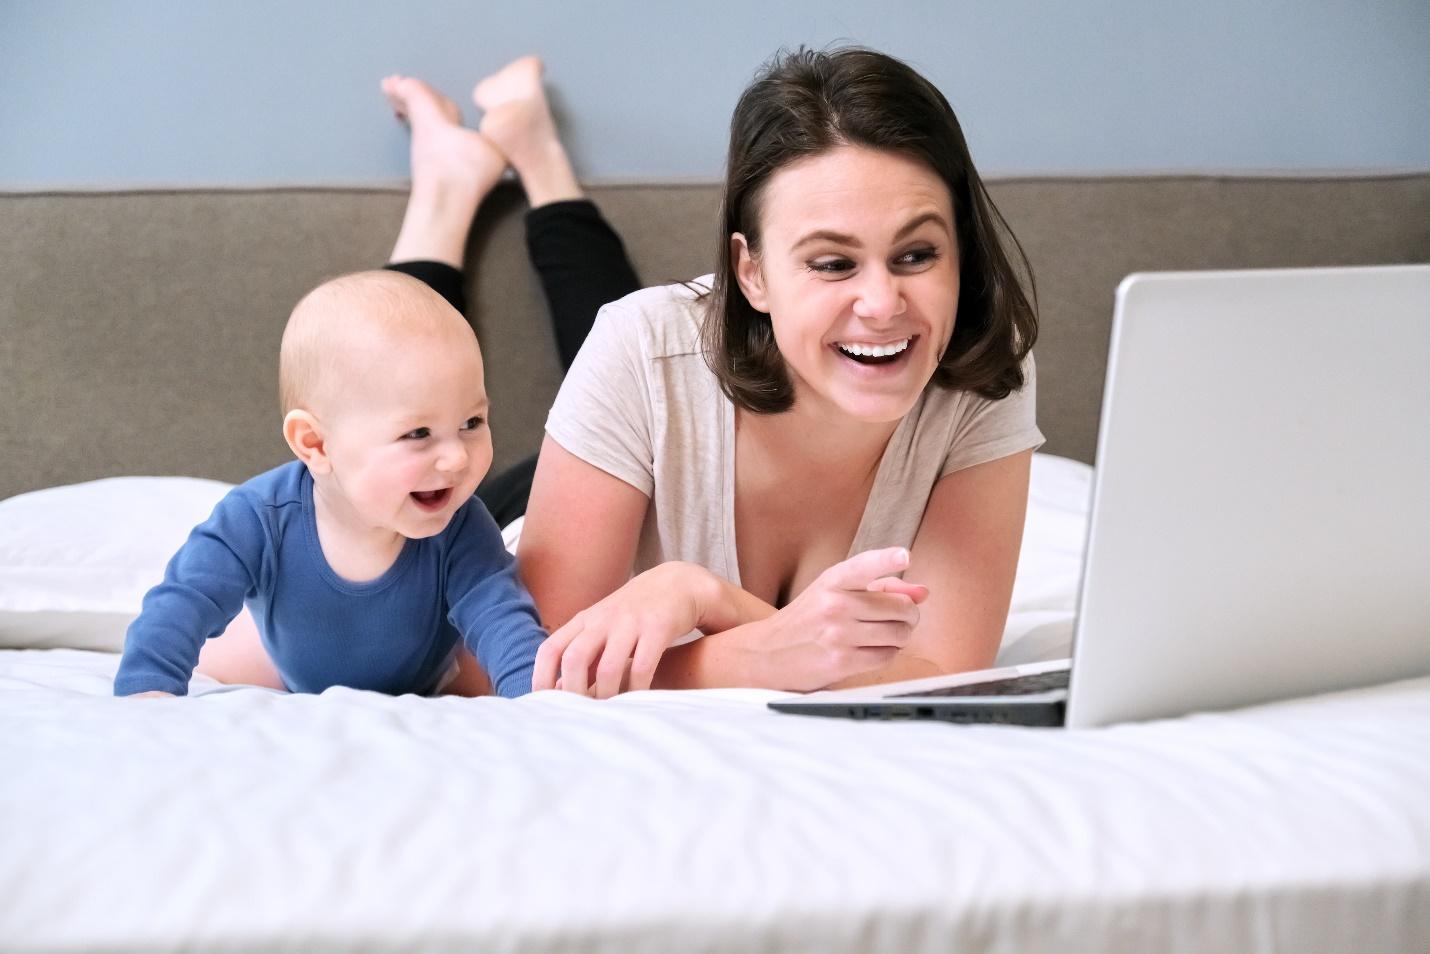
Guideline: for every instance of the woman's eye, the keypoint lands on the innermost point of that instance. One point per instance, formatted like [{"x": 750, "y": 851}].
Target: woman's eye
[
  {"x": 421, "y": 433},
  {"x": 917, "y": 257},
  {"x": 830, "y": 266},
  {"x": 473, "y": 423}
]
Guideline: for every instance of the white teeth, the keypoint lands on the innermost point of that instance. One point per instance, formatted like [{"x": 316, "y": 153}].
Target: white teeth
[{"x": 873, "y": 350}]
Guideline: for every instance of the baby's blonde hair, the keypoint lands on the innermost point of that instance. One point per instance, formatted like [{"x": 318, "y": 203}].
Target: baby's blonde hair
[{"x": 318, "y": 340}]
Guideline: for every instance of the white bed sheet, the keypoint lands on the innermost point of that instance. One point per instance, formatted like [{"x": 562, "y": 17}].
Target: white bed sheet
[{"x": 249, "y": 820}]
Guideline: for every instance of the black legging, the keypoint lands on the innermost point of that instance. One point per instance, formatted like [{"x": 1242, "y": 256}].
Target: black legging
[{"x": 582, "y": 265}]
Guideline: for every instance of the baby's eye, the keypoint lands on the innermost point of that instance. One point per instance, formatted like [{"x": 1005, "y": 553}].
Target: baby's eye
[
  {"x": 917, "y": 257},
  {"x": 473, "y": 423},
  {"x": 830, "y": 266},
  {"x": 418, "y": 434}
]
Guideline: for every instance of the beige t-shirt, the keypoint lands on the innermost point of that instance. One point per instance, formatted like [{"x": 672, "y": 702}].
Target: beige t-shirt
[{"x": 641, "y": 404}]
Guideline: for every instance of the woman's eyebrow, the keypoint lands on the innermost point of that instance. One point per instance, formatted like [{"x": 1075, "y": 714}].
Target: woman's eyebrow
[
  {"x": 826, "y": 235},
  {"x": 839, "y": 238},
  {"x": 917, "y": 221}
]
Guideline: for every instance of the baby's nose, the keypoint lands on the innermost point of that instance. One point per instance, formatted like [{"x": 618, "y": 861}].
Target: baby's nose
[{"x": 453, "y": 456}]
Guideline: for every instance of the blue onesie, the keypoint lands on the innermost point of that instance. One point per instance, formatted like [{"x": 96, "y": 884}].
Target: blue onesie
[{"x": 394, "y": 634}]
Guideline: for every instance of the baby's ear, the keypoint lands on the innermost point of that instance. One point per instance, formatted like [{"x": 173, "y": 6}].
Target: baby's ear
[{"x": 305, "y": 438}]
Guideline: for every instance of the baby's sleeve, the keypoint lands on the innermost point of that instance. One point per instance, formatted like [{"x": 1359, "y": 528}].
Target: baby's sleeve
[
  {"x": 488, "y": 605},
  {"x": 988, "y": 429},
  {"x": 203, "y": 589},
  {"x": 602, "y": 413}
]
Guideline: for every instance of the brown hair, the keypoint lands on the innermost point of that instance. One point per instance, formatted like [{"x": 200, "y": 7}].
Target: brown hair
[{"x": 806, "y": 103}]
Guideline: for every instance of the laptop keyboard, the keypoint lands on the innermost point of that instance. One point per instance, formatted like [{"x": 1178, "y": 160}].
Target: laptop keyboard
[{"x": 1015, "y": 686}]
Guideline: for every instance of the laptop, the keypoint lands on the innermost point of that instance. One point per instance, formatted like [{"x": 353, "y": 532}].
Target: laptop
[{"x": 1260, "y": 524}]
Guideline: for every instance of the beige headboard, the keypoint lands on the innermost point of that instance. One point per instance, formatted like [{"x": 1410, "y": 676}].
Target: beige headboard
[{"x": 139, "y": 330}]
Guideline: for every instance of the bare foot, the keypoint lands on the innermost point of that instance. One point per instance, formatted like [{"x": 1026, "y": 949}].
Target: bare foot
[
  {"x": 453, "y": 169},
  {"x": 518, "y": 120},
  {"x": 443, "y": 150}
]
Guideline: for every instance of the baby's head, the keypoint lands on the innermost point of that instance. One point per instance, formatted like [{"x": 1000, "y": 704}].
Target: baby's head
[{"x": 383, "y": 399}]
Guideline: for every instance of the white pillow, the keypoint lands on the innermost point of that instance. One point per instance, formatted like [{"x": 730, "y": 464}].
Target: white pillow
[
  {"x": 1050, "y": 564},
  {"x": 76, "y": 561},
  {"x": 1040, "y": 617}
]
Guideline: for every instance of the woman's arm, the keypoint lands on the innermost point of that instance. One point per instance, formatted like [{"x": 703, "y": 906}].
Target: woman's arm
[
  {"x": 578, "y": 543},
  {"x": 856, "y": 623},
  {"x": 577, "y": 550}
]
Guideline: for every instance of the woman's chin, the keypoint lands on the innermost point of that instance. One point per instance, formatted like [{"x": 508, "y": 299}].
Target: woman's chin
[
  {"x": 865, "y": 408},
  {"x": 881, "y": 405}
]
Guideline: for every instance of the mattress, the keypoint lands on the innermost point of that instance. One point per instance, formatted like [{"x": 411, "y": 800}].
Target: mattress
[{"x": 244, "y": 819}]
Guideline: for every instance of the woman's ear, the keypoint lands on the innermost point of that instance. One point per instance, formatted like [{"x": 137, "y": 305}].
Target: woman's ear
[
  {"x": 305, "y": 437},
  {"x": 747, "y": 273}
]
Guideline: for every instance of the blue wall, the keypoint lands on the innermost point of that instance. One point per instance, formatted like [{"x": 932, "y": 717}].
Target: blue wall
[{"x": 188, "y": 91}]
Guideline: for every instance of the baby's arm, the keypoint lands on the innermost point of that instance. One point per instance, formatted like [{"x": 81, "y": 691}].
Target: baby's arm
[
  {"x": 203, "y": 589},
  {"x": 489, "y": 606}
]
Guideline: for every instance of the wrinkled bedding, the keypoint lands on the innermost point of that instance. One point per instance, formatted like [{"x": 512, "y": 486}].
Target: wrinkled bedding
[{"x": 243, "y": 819}]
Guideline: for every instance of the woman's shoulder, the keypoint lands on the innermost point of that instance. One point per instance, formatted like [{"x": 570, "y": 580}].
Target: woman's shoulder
[{"x": 661, "y": 321}]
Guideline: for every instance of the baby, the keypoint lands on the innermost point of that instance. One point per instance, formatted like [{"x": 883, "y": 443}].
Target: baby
[{"x": 366, "y": 560}]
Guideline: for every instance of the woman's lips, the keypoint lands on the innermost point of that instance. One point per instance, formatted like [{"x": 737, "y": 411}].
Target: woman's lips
[{"x": 874, "y": 363}]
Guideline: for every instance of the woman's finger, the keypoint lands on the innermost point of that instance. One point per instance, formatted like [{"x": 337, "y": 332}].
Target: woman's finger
[
  {"x": 577, "y": 660},
  {"x": 869, "y": 607},
  {"x": 548, "y": 655},
  {"x": 649, "y": 651},
  {"x": 612, "y": 666},
  {"x": 857, "y": 572},
  {"x": 884, "y": 634},
  {"x": 892, "y": 584}
]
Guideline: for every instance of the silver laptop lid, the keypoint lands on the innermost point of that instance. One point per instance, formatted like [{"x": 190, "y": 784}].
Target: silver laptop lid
[{"x": 1261, "y": 507}]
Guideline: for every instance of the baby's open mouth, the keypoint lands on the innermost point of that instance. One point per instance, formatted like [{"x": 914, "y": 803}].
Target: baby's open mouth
[{"x": 432, "y": 499}]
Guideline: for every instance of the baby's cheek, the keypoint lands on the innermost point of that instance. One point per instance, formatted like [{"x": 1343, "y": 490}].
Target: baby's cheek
[{"x": 400, "y": 472}]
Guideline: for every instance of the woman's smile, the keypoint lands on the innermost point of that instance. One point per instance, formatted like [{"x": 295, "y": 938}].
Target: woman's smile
[
  {"x": 886, "y": 364},
  {"x": 873, "y": 353}
]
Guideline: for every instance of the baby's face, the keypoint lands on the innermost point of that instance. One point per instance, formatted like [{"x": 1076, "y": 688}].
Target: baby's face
[{"x": 409, "y": 445}]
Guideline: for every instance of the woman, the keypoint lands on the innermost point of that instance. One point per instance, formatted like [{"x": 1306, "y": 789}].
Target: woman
[{"x": 857, "y": 378}]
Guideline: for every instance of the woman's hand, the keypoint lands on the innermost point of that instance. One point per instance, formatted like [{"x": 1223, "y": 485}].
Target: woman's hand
[
  {"x": 634, "y": 626},
  {"x": 854, "y": 618}
]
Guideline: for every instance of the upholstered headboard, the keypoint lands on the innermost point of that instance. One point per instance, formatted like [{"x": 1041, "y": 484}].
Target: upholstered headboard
[{"x": 139, "y": 330}]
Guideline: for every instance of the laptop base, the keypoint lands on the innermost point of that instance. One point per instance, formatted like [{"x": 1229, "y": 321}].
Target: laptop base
[{"x": 1036, "y": 714}]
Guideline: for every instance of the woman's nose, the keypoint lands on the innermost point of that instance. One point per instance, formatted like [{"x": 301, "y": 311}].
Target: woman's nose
[{"x": 879, "y": 295}]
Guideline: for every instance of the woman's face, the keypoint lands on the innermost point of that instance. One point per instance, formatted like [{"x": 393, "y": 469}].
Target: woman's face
[{"x": 858, "y": 271}]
